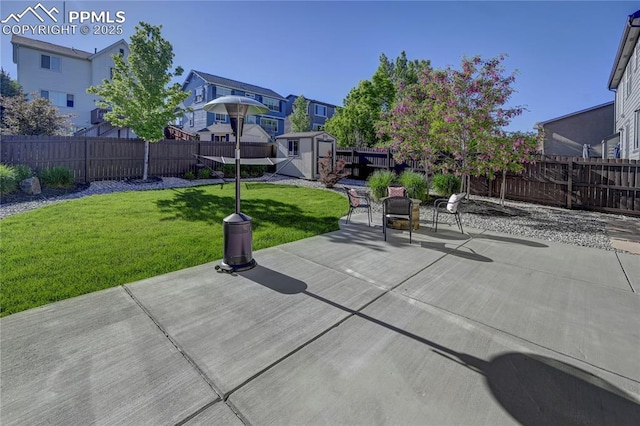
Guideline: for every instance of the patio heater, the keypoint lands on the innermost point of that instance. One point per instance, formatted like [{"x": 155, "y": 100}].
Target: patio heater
[{"x": 236, "y": 228}]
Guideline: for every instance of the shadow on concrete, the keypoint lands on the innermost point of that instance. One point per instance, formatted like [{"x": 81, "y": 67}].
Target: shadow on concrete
[
  {"x": 275, "y": 280},
  {"x": 510, "y": 240},
  {"x": 537, "y": 390},
  {"x": 533, "y": 389},
  {"x": 360, "y": 235},
  {"x": 457, "y": 252},
  {"x": 442, "y": 234}
]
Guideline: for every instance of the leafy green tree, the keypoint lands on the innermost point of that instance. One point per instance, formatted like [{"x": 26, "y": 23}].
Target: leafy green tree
[
  {"x": 355, "y": 124},
  {"x": 32, "y": 117},
  {"x": 300, "y": 120},
  {"x": 8, "y": 86},
  {"x": 509, "y": 152},
  {"x": 139, "y": 96}
]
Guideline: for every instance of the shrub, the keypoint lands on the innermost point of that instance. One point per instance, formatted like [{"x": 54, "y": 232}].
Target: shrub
[
  {"x": 22, "y": 172},
  {"x": 8, "y": 181},
  {"x": 59, "y": 177},
  {"x": 445, "y": 184},
  {"x": 229, "y": 170},
  {"x": 379, "y": 181},
  {"x": 330, "y": 174},
  {"x": 246, "y": 171},
  {"x": 204, "y": 174},
  {"x": 189, "y": 175},
  {"x": 254, "y": 171},
  {"x": 415, "y": 184}
]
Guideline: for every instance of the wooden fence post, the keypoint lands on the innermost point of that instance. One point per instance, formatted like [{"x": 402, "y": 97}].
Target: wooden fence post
[
  {"x": 569, "y": 183},
  {"x": 86, "y": 160}
]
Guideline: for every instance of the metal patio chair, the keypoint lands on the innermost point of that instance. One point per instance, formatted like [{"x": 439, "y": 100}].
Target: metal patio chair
[
  {"x": 358, "y": 201},
  {"x": 397, "y": 208},
  {"x": 448, "y": 205}
]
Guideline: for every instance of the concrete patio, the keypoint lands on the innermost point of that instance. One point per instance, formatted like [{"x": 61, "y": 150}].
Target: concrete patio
[{"x": 343, "y": 328}]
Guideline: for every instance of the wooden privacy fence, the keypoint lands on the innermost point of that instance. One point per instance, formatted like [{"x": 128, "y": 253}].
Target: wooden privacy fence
[
  {"x": 608, "y": 185},
  {"x": 94, "y": 159},
  {"x": 364, "y": 161}
]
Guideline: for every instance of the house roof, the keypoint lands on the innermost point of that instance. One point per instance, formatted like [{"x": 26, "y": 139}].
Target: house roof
[
  {"x": 50, "y": 47},
  {"x": 60, "y": 50},
  {"x": 625, "y": 49},
  {"x": 121, "y": 41},
  {"x": 301, "y": 134},
  {"x": 542, "y": 123},
  {"x": 312, "y": 100},
  {"x": 234, "y": 84}
]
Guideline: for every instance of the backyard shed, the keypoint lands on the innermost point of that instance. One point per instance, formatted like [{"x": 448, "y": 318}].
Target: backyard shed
[{"x": 305, "y": 150}]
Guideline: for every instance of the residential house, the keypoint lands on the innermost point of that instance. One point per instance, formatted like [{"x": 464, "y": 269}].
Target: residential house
[
  {"x": 319, "y": 113},
  {"x": 625, "y": 80},
  {"x": 568, "y": 134},
  {"x": 63, "y": 74},
  {"x": 206, "y": 87}
]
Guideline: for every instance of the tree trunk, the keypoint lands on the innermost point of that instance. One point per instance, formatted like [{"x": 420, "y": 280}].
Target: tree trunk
[{"x": 145, "y": 169}]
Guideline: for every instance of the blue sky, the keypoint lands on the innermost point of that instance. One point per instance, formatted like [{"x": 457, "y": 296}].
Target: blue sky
[{"x": 563, "y": 51}]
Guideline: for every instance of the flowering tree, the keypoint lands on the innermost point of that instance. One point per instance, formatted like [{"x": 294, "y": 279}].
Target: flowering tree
[
  {"x": 453, "y": 116},
  {"x": 408, "y": 124},
  {"x": 509, "y": 153}
]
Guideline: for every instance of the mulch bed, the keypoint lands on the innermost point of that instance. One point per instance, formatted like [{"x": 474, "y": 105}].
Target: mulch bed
[{"x": 47, "y": 192}]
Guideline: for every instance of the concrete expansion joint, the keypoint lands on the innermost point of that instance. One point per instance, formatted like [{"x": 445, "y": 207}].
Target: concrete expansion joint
[
  {"x": 175, "y": 345},
  {"x": 625, "y": 274}
]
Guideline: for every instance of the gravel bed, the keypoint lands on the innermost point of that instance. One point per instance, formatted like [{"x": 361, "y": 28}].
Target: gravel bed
[{"x": 521, "y": 219}]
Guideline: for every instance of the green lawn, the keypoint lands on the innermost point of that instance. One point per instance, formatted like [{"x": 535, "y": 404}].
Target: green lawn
[{"x": 84, "y": 245}]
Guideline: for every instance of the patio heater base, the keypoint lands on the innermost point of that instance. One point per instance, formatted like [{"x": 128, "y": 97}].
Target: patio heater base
[{"x": 237, "y": 235}]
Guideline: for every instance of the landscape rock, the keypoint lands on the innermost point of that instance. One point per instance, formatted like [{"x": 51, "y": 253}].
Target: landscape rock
[{"x": 31, "y": 186}]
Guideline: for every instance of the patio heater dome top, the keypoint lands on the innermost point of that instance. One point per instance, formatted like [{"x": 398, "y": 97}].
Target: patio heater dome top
[{"x": 234, "y": 105}]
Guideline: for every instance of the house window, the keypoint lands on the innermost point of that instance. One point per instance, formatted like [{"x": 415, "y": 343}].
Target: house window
[
  {"x": 250, "y": 95},
  {"x": 636, "y": 135},
  {"x": 50, "y": 62},
  {"x": 111, "y": 71},
  {"x": 58, "y": 99},
  {"x": 251, "y": 119},
  {"x": 199, "y": 94},
  {"x": 269, "y": 124},
  {"x": 272, "y": 104},
  {"x": 627, "y": 90},
  {"x": 221, "y": 118},
  {"x": 121, "y": 52},
  {"x": 294, "y": 148},
  {"x": 222, "y": 91},
  {"x": 191, "y": 119},
  {"x": 320, "y": 110},
  {"x": 220, "y": 138},
  {"x": 317, "y": 127}
]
